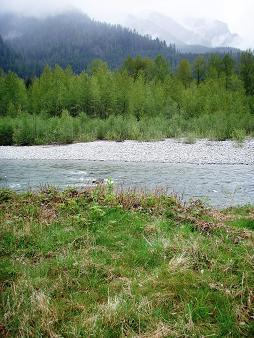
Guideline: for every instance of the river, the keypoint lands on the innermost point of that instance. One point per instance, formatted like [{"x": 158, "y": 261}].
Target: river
[{"x": 219, "y": 185}]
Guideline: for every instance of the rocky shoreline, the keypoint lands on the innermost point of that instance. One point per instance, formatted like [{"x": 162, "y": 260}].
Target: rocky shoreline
[{"x": 169, "y": 151}]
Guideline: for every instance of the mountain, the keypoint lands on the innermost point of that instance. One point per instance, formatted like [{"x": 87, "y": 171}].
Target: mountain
[
  {"x": 212, "y": 33},
  {"x": 72, "y": 38},
  {"x": 8, "y": 58},
  {"x": 186, "y": 35},
  {"x": 13, "y": 26},
  {"x": 159, "y": 26}
]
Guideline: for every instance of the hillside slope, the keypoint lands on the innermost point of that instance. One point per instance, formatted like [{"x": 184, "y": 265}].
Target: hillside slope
[{"x": 72, "y": 38}]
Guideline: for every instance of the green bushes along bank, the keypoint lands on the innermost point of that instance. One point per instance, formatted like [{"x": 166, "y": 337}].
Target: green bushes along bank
[{"x": 143, "y": 100}]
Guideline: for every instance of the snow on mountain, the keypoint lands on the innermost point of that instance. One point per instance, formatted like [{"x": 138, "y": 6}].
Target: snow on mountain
[
  {"x": 190, "y": 31},
  {"x": 213, "y": 33}
]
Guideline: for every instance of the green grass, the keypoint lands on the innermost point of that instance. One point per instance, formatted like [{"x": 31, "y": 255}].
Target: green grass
[
  {"x": 97, "y": 263},
  {"x": 29, "y": 129}
]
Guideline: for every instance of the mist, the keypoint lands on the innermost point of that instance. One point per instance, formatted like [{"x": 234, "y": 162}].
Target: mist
[{"x": 237, "y": 14}]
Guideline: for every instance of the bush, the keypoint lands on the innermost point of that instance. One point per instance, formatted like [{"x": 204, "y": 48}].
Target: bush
[
  {"x": 65, "y": 128},
  {"x": 239, "y": 136},
  {"x": 6, "y": 134},
  {"x": 153, "y": 128},
  {"x": 190, "y": 138},
  {"x": 37, "y": 129},
  {"x": 24, "y": 132},
  {"x": 119, "y": 128},
  {"x": 6, "y": 195}
]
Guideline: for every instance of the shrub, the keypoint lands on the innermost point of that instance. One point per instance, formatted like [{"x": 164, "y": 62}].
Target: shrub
[
  {"x": 190, "y": 138},
  {"x": 238, "y": 135},
  {"x": 119, "y": 128},
  {"x": 24, "y": 132},
  {"x": 6, "y": 134},
  {"x": 6, "y": 195}
]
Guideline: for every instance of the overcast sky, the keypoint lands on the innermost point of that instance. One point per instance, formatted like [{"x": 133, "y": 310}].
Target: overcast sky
[{"x": 239, "y": 14}]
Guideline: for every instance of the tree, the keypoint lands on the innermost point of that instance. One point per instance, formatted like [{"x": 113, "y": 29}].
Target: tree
[
  {"x": 138, "y": 97},
  {"x": 123, "y": 84},
  {"x": 199, "y": 69},
  {"x": 162, "y": 68},
  {"x": 95, "y": 97},
  {"x": 2, "y": 93},
  {"x": 214, "y": 67},
  {"x": 183, "y": 72},
  {"x": 227, "y": 68},
  {"x": 247, "y": 71},
  {"x": 97, "y": 66},
  {"x": 81, "y": 92},
  {"x": 140, "y": 66},
  {"x": 13, "y": 94},
  {"x": 40, "y": 93}
]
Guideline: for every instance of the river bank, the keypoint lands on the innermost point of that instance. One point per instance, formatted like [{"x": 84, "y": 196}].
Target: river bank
[
  {"x": 95, "y": 263},
  {"x": 168, "y": 151}
]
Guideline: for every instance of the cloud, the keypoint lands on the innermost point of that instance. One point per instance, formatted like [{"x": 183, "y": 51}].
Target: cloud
[{"x": 238, "y": 14}]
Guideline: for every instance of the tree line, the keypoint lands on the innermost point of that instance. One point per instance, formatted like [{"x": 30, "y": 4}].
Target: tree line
[{"x": 144, "y": 99}]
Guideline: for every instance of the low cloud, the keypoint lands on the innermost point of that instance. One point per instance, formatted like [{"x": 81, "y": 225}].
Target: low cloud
[{"x": 238, "y": 14}]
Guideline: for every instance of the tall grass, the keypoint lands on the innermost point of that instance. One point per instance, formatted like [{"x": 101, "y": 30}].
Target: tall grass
[{"x": 29, "y": 129}]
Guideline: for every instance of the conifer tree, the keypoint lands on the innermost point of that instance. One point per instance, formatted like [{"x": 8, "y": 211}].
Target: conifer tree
[
  {"x": 199, "y": 69},
  {"x": 227, "y": 68}
]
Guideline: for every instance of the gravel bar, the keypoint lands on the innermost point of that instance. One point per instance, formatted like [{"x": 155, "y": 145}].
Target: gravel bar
[{"x": 170, "y": 151}]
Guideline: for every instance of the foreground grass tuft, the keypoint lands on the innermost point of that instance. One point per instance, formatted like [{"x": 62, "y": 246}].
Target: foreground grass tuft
[{"x": 96, "y": 263}]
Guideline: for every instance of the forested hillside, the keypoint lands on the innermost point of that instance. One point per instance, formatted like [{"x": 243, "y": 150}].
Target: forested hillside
[
  {"x": 143, "y": 99},
  {"x": 74, "y": 39},
  {"x": 9, "y": 60}
]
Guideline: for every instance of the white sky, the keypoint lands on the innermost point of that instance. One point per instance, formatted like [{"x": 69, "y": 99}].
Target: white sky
[{"x": 239, "y": 14}]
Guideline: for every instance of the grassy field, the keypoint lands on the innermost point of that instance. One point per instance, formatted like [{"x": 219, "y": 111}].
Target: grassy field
[{"x": 97, "y": 263}]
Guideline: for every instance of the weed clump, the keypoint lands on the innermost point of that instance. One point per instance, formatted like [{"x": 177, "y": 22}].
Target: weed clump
[{"x": 6, "y": 195}]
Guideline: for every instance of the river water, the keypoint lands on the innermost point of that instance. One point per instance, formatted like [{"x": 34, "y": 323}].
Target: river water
[{"x": 218, "y": 185}]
